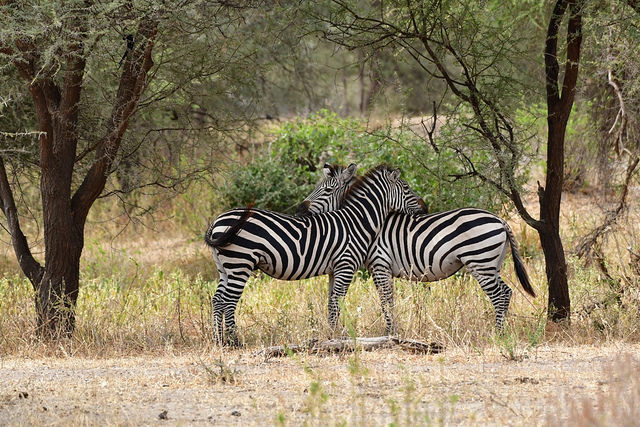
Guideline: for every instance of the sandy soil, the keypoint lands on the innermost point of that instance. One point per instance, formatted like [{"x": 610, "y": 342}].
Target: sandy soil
[{"x": 453, "y": 388}]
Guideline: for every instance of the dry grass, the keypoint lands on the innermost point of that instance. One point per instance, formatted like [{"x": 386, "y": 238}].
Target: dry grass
[
  {"x": 142, "y": 307},
  {"x": 617, "y": 403}
]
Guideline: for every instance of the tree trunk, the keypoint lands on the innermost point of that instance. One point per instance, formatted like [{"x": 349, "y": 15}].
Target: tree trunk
[
  {"x": 556, "y": 266},
  {"x": 559, "y": 104},
  {"x": 56, "y": 297},
  {"x": 559, "y": 307},
  {"x": 57, "y": 292}
]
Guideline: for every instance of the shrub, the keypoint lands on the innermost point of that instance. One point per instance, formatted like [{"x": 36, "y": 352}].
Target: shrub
[
  {"x": 285, "y": 171},
  {"x": 269, "y": 183}
]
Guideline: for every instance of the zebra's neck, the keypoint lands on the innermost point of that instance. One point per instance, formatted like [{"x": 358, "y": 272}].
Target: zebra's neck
[{"x": 368, "y": 204}]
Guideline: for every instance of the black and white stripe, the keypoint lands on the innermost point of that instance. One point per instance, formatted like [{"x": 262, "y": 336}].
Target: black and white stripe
[
  {"x": 291, "y": 248},
  {"x": 432, "y": 247}
]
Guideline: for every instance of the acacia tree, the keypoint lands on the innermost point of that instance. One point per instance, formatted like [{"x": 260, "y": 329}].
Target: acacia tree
[
  {"x": 86, "y": 69},
  {"x": 479, "y": 50}
]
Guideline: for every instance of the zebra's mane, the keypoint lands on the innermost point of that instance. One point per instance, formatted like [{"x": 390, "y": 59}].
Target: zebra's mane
[
  {"x": 360, "y": 181},
  {"x": 336, "y": 169}
]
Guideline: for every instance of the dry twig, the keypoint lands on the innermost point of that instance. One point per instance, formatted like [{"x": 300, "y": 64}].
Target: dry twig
[{"x": 349, "y": 344}]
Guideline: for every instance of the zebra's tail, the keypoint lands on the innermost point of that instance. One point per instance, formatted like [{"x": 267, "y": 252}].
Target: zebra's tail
[
  {"x": 227, "y": 237},
  {"x": 523, "y": 277}
]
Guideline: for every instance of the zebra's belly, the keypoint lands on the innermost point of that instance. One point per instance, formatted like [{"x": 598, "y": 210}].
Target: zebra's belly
[
  {"x": 430, "y": 273},
  {"x": 294, "y": 271}
]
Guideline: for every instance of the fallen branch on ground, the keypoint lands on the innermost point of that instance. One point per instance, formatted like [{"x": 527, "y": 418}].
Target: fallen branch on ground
[{"x": 349, "y": 344}]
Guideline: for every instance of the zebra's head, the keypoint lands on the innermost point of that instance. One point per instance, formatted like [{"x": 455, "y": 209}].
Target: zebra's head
[
  {"x": 328, "y": 194},
  {"x": 402, "y": 198}
]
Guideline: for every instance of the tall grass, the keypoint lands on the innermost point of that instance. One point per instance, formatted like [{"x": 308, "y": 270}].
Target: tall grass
[{"x": 136, "y": 310}]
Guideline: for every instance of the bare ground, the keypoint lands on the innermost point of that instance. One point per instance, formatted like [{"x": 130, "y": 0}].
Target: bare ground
[{"x": 459, "y": 386}]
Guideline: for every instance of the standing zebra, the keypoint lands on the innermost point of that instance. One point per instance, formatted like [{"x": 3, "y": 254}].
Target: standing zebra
[
  {"x": 291, "y": 248},
  {"x": 432, "y": 247}
]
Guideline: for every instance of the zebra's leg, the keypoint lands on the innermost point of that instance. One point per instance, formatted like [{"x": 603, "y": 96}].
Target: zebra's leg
[
  {"x": 217, "y": 302},
  {"x": 218, "y": 308},
  {"x": 337, "y": 291},
  {"x": 236, "y": 285},
  {"x": 225, "y": 301},
  {"x": 384, "y": 285},
  {"x": 331, "y": 283},
  {"x": 498, "y": 292}
]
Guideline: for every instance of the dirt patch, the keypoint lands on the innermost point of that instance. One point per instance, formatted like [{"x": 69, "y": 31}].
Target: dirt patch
[{"x": 374, "y": 388}]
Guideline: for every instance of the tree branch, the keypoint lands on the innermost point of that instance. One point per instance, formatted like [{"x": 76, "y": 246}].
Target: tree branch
[
  {"x": 622, "y": 113},
  {"x": 72, "y": 88},
  {"x": 44, "y": 93},
  {"x": 31, "y": 268},
  {"x": 585, "y": 247},
  {"x": 431, "y": 129},
  {"x": 574, "y": 42},
  {"x": 132, "y": 83},
  {"x": 349, "y": 344},
  {"x": 428, "y": 42},
  {"x": 552, "y": 68}
]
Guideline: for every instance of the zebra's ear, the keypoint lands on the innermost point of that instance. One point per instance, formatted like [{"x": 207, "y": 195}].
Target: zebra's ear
[
  {"x": 395, "y": 174},
  {"x": 348, "y": 173},
  {"x": 328, "y": 170}
]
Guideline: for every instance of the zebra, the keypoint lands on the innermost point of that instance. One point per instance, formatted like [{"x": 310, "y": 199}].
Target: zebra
[
  {"x": 430, "y": 247},
  {"x": 292, "y": 248}
]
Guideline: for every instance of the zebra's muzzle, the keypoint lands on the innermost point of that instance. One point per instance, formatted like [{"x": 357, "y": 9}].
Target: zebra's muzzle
[{"x": 423, "y": 205}]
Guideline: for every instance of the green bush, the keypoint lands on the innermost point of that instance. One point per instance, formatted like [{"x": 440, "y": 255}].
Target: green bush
[
  {"x": 287, "y": 169},
  {"x": 269, "y": 183}
]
